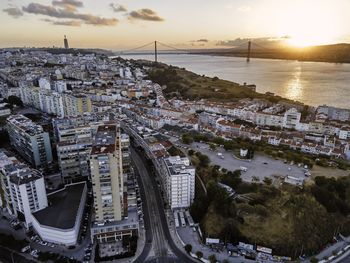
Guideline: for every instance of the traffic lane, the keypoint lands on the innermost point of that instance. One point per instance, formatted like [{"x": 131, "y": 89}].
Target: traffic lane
[
  {"x": 160, "y": 247},
  {"x": 148, "y": 207},
  {"x": 148, "y": 243},
  {"x": 182, "y": 257}
]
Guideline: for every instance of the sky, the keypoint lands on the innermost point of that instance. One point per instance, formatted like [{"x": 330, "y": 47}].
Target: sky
[{"x": 122, "y": 24}]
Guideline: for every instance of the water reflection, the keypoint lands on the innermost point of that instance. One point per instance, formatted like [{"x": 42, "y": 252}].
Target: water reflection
[{"x": 294, "y": 87}]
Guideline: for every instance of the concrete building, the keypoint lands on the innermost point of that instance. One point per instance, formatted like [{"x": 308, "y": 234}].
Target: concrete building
[
  {"x": 74, "y": 138},
  {"x": 107, "y": 175},
  {"x": 44, "y": 84},
  {"x": 29, "y": 140},
  {"x": 179, "y": 181},
  {"x": 76, "y": 105},
  {"x": 109, "y": 182},
  {"x": 24, "y": 189},
  {"x": 291, "y": 119},
  {"x": 60, "y": 222}
]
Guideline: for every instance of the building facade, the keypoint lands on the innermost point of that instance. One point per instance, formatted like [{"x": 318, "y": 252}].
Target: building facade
[
  {"x": 23, "y": 188},
  {"x": 179, "y": 181},
  {"x": 29, "y": 140},
  {"x": 109, "y": 165}
]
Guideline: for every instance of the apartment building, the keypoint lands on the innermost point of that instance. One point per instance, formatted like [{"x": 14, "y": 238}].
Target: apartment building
[
  {"x": 29, "y": 140},
  {"x": 113, "y": 219},
  {"x": 23, "y": 187},
  {"x": 178, "y": 181},
  {"x": 76, "y": 105}
]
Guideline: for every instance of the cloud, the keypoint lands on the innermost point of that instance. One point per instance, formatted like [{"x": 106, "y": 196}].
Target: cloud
[
  {"x": 70, "y": 5},
  {"x": 13, "y": 11},
  {"x": 74, "y": 23},
  {"x": 118, "y": 8},
  {"x": 68, "y": 13},
  {"x": 262, "y": 42},
  {"x": 145, "y": 14}
]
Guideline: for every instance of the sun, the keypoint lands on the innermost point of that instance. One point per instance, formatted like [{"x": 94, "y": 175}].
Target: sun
[
  {"x": 307, "y": 41},
  {"x": 309, "y": 23}
]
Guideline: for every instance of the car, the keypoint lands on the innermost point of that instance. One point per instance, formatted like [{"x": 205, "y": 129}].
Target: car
[
  {"x": 25, "y": 249},
  {"x": 265, "y": 163}
]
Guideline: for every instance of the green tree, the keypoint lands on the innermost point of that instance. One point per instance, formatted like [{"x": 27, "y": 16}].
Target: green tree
[
  {"x": 212, "y": 146},
  {"x": 267, "y": 181},
  {"x": 188, "y": 248},
  {"x": 313, "y": 260},
  {"x": 199, "y": 254},
  {"x": 187, "y": 139},
  {"x": 212, "y": 258},
  {"x": 15, "y": 100}
]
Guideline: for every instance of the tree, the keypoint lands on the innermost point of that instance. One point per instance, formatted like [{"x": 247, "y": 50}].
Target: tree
[
  {"x": 212, "y": 146},
  {"x": 15, "y": 100},
  {"x": 267, "y": 181},
  {"x": 187, "y": 139},
  {"x": 188, "y": 248},
  {"x": 225, "y": 261},
  {"x": 255, "y": 179},
  {"x": 313, "y": 260},
  {"x": 212, "y": 258},
  {"x": 199, "y": 254}
]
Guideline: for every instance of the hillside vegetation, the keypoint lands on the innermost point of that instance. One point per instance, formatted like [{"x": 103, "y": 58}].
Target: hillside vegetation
[
  {"x": 187, "y": 85},
  {"x": 289, "y": 220}
]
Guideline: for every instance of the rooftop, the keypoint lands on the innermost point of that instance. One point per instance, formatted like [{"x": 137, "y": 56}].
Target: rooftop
[
  {"x": 25, "y": 124},
  {"x": 105, "y": 140},
  {"x": 21, "y": 174},
  {"x": 63, "y": 207}
]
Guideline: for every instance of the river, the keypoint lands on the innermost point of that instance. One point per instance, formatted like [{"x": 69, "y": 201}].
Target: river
[{"x": 313, "y": 83}]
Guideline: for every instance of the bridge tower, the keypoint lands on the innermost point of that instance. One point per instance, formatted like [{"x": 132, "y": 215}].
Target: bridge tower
[
  {"x": 155, "y": 52},
  {"x": 249, "y": 50}
]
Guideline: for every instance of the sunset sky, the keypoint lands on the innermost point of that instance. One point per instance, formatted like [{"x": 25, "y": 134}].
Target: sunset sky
[{"x": 184, "y": 23}]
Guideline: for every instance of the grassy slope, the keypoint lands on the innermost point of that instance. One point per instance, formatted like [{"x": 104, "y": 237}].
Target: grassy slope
[{"x": 189, "y": 85}]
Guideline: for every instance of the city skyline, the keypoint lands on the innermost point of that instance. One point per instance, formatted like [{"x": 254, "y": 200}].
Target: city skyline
[{"x": 123, "y": 24}]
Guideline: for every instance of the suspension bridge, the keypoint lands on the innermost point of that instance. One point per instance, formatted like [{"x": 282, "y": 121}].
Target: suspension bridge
[{"x": 157, "y": 48}]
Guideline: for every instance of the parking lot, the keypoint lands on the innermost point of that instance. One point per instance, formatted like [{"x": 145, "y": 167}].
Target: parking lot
[{"x": 260, "y": 167}]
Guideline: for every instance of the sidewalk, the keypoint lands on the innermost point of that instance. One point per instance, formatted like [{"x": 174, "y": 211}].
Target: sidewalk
[{"x": 333, "y": 249}]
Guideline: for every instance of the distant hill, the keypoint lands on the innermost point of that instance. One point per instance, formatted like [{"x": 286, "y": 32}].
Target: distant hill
[{"x": 337, "y": 53}]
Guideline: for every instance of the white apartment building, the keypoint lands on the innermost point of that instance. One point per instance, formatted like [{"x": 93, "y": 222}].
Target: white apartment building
[
  {"x": 44, "y": 84},
  {"x": 24, "y": 189},
  {"x": 291, "y": 119},
  {"x": 178, "y": 181},
  {"x": 266, "y": 119},
  {"x": 29, "y": 140},
  {"x": 60, "y": 86}
]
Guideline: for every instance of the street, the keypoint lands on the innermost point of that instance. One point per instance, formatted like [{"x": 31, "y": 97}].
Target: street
[{"x": 163, "y": 249}]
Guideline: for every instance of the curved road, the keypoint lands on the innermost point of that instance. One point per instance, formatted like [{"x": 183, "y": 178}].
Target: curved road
[{"x": 158, "y": 237}]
